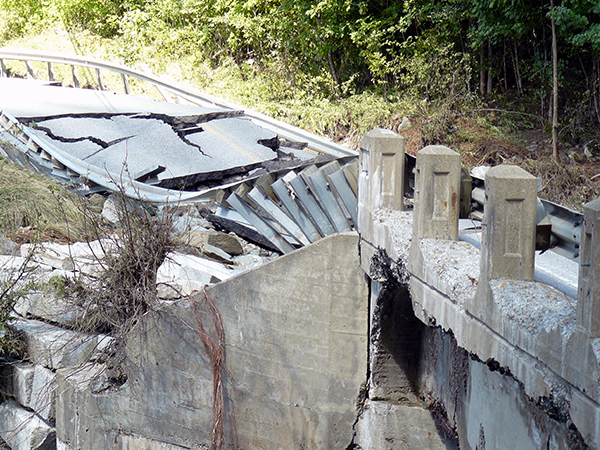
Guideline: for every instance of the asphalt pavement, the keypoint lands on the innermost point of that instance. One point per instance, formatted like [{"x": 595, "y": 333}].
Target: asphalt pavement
[{"x": 124, "y": 133}]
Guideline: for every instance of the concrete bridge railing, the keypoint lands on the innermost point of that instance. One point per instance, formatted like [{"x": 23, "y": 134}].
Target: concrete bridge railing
[{"x": 488, "y": 299}]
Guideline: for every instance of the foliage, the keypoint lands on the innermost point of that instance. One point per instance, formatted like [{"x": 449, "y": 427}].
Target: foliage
[
  {"x": 345, "y": 46},
  {"x": 15, "y": 282},
  {"x": 19, "y": 16}
]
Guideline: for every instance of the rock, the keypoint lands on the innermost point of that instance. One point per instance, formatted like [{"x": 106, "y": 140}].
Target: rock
[
  {"x": 405, "y": 124},
  {"x": 185, "y": 224},
  {"x": 168, "y": 292},
  {"x": 47, "y": 306},
  {"x": 81, "y": 256},
  {"x": 34, "y": 388},
  {"x": 24, "y": 430},
  {"x": 215, "y": 253},
  {"x": 181, "y": 274},
  {"x": 54, "y": 347},
  {"x": 226, "y": 242},
  {"x": 591, "y": 150},
  {"x": 96, "y": 203},
  {"x": 8, "y": 247},
  {"x": 10, "y": 264},
  {"x": 110, "y": 211},
  {"x": 250, "y": 261},
  {"x": 575, "y": 156}
]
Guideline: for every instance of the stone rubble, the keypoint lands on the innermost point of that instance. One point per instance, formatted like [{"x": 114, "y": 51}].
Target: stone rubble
[{"x": 47, "y": 323}]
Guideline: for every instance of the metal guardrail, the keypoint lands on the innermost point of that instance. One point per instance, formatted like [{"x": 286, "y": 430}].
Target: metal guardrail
[
  {"x": 564, "y": 235},
  {"x": 559, "y": 228},
  {"x": 284, "y": 130}
]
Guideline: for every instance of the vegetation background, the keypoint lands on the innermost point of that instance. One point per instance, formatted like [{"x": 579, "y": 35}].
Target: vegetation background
[{"x": 476, "y": 75}]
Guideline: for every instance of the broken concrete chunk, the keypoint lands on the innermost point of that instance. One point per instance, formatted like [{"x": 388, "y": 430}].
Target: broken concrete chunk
[
  {"x": 34, "y": 388},
  {"x": 54, "y": 347},
  {"x": 24, "y": 430},
  {"x": 405, "y": 427},
  {"x": 47, "y": 306},
  {"x": 226, "y": 242},
  {"x": 181, "y": 274}
]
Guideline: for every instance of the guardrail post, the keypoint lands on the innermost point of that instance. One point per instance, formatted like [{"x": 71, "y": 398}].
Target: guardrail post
[
  {"x": 29, "y": 68},
  {"x": 508, "y": 237},
  {"x": 75, "y": 77},
  {"x": 100, "y": 80},
  {"x": 50, "y": 72},
  {"x": 125, "y": 84},
  {"x": 437, "y": 194},
  {"x": 588, "y": 300}
]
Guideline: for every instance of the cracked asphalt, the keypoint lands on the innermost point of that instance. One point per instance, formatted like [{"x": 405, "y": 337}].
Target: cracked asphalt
[{"x": 129, "y": 134}]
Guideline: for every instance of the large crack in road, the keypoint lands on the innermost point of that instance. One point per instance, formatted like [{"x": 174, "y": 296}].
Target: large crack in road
[{"x": 226, "y": 145}]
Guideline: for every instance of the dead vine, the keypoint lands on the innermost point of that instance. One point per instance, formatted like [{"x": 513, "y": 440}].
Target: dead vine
[{"x": 214, "y": 348}]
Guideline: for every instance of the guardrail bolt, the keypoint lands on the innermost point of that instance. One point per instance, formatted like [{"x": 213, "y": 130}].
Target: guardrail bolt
[
  {"x": 588, "y": 300},
  {"x": 437, "y": 193}
]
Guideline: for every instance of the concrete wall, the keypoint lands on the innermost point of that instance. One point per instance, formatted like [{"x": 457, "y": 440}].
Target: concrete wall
[{"x": 296, "y": 355}]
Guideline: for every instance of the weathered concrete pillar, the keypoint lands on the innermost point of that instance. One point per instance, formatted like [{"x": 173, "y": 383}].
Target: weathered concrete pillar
[
  {"x": 588, "y": 301},
  {"x": 380, "y": 185},
  {"x": 437, "y": 194},
  {"x": 508, "y": 238},
  {"x": 382, "y": 154}
]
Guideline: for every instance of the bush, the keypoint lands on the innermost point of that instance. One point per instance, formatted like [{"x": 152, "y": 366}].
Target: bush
[
  {"x": 125, "y": 288},
  {"x": 102, "y": 17}
]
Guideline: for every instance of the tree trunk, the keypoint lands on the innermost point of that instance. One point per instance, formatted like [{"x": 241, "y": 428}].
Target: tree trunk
[
  {"x": 555, "y": 154},
  {"x": 504, "y": 68},
  {"x": 481, "y": 74},
  {"x": 489, "y": 71},
  {"x": 595, "y": 93},
  {"x": 517, "y": 69}
]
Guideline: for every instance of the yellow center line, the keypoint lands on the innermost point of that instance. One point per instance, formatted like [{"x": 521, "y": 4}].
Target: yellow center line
[{"x": 221, "y": 134}]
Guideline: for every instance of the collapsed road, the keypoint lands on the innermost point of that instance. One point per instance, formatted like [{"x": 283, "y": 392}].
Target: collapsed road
[
  {"x": 272, "y": 188},
  {"x": 119, "y": 132}
]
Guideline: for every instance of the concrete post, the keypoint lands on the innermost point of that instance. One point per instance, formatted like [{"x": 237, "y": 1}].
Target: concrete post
[
  {"x": 508, "y": 238},
  {"x": 384, "y": 150},
  {"x": 508, "y": 241},
  {"x": 588, "y": 301},
  {"x": 437, "y": 193}
]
